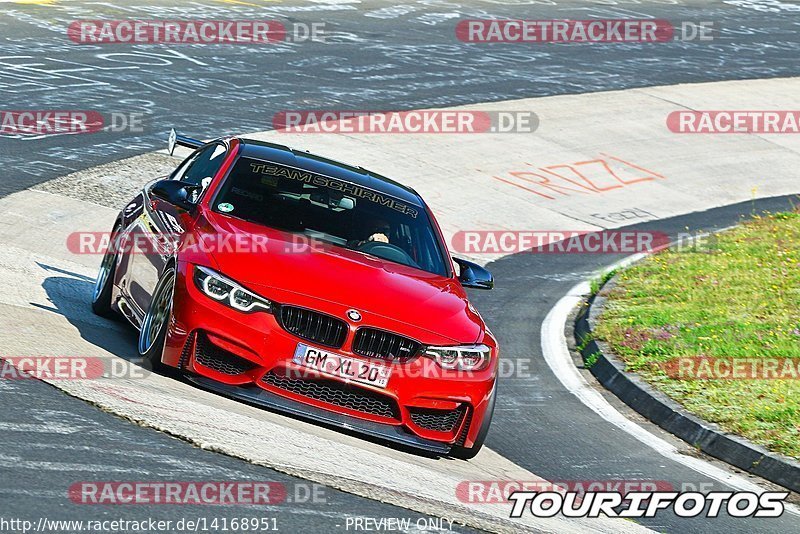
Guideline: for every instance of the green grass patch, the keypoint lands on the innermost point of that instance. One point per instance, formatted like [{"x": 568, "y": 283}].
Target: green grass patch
[
  {"x": 736, "y": 297},
  {"x": 596, "y": 283},
  {"x": 591, "y": 360}
]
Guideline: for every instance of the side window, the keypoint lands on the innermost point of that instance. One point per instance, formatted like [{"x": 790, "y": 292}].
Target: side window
[
  {"x": 201, "y": 165},
  {"x": 178, "y": 173}
]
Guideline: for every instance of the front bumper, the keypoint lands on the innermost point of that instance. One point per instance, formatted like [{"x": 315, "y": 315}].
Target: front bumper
[
  {"x": 261, "y": 397},
  {"x": 249, "y": 357}
]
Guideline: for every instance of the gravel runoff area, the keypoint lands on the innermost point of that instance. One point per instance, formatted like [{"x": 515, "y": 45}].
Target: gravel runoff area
[{"x": 110, "y": 185}]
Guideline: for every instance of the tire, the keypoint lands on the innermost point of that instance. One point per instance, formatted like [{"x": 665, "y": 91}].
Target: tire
[
  {"x": 468, "y": 453},
  {"x": 153, "y": 332},
  {"x": 104, "y": 284}
]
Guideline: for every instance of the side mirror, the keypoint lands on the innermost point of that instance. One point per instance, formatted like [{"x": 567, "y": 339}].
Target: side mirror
[
  {"x": 173, "y": 191},
  {"x": 473, "y": 275}
]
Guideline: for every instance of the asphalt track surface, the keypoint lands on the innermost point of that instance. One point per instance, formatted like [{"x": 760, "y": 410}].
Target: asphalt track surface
[
  {"x": 50, "y": 441},
  {"x": 375, "y": 62},
  {"x": 376, "y": 56}
]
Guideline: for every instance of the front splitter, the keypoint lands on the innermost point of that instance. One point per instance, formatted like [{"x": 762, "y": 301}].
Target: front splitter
[{"x": 256, "y": 395}]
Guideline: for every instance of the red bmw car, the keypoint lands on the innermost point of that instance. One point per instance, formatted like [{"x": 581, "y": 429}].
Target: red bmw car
[{"x": 308, "y": 286}]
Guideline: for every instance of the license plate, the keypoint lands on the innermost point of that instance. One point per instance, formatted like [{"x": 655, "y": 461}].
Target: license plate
[{"x": 351, "y": 369}]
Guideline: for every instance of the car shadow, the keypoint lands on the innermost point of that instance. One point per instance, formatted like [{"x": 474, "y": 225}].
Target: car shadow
[{"x": 71, "y": 296}]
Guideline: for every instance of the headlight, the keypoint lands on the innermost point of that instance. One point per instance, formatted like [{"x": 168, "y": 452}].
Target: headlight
[
  {"x": 463, "y": 358},
  {"x": 228, "y": 292}
]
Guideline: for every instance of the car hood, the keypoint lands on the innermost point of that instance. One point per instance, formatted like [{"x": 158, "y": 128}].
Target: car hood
[{"x": 334, "y": 279}]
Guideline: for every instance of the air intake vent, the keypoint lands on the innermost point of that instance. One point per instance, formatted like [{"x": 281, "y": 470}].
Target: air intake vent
[
  {"x": 337, "y": 393},
  {"x": 462, "y": 436},
  {"x": 436, "y": 420},
  {"x": 384, "y": 345},
  {"x": 313, "y": 326},
  {"x": 187, "y": 351},
  {"x": 209, "y": 355}
]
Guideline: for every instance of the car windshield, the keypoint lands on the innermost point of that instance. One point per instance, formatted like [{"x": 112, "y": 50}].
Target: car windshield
[{"x": 333, "y": 211}]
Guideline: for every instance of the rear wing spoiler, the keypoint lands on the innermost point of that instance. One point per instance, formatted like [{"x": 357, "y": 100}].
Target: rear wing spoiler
[{"x": 181, "y": 140}]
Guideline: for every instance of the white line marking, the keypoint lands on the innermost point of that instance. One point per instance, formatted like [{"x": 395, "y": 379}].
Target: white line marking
[{"x": 40, "y": 428}]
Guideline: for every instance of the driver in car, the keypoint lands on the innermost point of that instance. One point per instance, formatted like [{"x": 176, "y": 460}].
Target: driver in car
[{"x": 379, "y": 232}]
